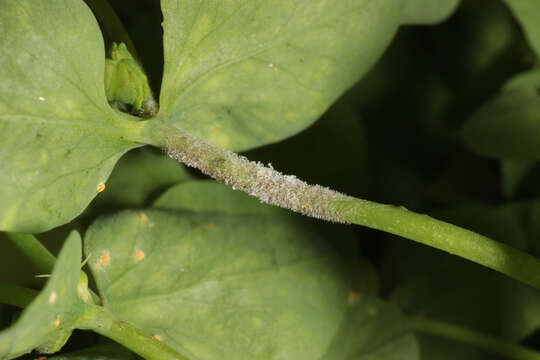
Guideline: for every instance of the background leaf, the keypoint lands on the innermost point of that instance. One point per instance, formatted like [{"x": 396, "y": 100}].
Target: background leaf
[
  {"x": 374, "y": 330},
  {"x": 60, "y": 139},
  {"x": 428, "y": 12},
  {"x": 509, "y": 125},
  {"x": 243, "y": 74},
  {"x": 440, "y": 286},
  {"x": 224, "y": 286},
  {"x": 528, "y": 14},
  {"x": 220, "y": 286},
  {"x": 49, "y": 320},
  {"x": 332, "y": 152},
  {"x": 202, "y": 196}
]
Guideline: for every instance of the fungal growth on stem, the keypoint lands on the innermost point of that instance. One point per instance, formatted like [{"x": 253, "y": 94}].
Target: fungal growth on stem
[{"x": 268, "y": 185}]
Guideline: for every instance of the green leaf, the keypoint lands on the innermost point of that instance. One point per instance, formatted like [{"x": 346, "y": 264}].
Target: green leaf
[
  {"x": 233, "y": 287},
  {"x": 220, "y": 286},
  {"x": 49, "y": 320},
  {"x": 513, "y": 172},
  {"x": 137, "y": 178},
  {"x": 246, "y": 73},
  {"x": 60, "y": 138},
  {"x": 428, "y": 12},
  {"x": 509, "y": 125},
  {"x": 528, "y": 14},
  {"x": 200, "y": 196},
  {"x": 459, "y": 292},
  {"x": 209, "y": 196},
  {"x": 374, "y": 330},
  {"x": 437, "y": 348}
]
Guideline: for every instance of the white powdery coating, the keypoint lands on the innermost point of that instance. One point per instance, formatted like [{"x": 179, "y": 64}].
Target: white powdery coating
[{"x": 267, "y": 184}]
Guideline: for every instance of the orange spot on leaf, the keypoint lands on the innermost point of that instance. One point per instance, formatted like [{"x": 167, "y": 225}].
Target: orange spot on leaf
[
  {"x": 139, "y": 255},
  {"x": 353, "y": 297},
  {"x": 105, "y": 258},
  {"x": 100, "y": 187},
  {"x": 142, "y": 216},
  {"x": 56, "y": 323}
]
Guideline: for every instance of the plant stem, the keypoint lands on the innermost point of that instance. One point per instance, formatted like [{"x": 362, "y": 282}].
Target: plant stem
[
  {"x": 16, "y": 295},
  {"x": 33, "y": 249},
  {"x": 272, "y": 187},
  {"x": 102, "y": 321},
  {"x": 468, "y": 336}
]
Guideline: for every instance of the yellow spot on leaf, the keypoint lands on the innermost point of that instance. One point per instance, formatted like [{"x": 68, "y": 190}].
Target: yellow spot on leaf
[
  {"x": 100, "y": 187},
  {"x": 97, "y": 264},
  {"x": 157, "y": 337},
  {"x": 52, "y": 297},
  {"x": 56, "y": 323},
  {"x": 139, "y": 255}
]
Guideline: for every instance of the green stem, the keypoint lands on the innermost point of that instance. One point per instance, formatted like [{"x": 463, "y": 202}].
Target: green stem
[
  {"x": 33, "y": 249},
  {"x": 16, "y": 295},
  {"x": 111, "y": 24},
  {"x": 272, "y": 187},
  {"x": 468, "y": 336},
  {"x": 102, "y": 321}
]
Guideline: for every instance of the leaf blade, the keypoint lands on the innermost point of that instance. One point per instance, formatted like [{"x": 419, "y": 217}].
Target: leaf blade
[
  {"x": 50, "y": 318},
  {"x": 53, "y": 114}
]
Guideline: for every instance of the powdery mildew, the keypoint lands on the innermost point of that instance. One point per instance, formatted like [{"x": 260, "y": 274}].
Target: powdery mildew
[{"x": 268, "y": 185}]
